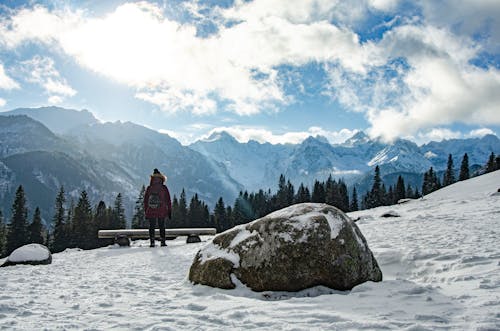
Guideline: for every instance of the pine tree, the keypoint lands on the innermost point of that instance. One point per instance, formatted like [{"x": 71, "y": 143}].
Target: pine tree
[
  {"x": 354, "y": 200},
  {"x": 3, "y": 235},
  {"x": 139, "y": 220},
  {"x": 242, "y": 210},
  {"x": 303, "y": 194},
  {"x": 59, "y": 242},
  {"x": 82, "y": 220},
  {"x": 101, "y": 221},
  {"x": 331, "y": 192},
  {"x": 343, "y": 196},
  {"x": 35, "y": 229},
  {"x": 282, "y": 194},
  {"x": 400, "y": 191},
  {"x": 449, "y": 175},
  {"x": 69, "y": 226},
  {"x": 17, "y": 234},
  {"x": 431, "y": 182},
  {"x": 102, "y": 217},
  {"x": 497, "y": 161},
  {"x": 464, "y": 168},
  {"x": 410, "y": 193},
  {"x": 377, "y": 193},
  {"x": 318, "y": 194},
  {"x": 183, "y": 212},
  {"x": 390, "y": 197},
  {"x": 260, "y": 204},
  {"x": 491, "y": 165},
  {"x": 174, "y": 222},
  {"x": 118, "y": 220},
  {"x": 220, "y": 217},
  {"x": 195, "y": 212},
  {"x": 290, "y": 193}
]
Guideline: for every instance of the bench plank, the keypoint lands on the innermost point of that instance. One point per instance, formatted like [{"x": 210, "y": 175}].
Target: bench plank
[{"x": 144, "y": 233}]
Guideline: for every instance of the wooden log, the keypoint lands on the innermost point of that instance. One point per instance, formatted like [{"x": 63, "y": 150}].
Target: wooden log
[{"x": 144, "y": 233}]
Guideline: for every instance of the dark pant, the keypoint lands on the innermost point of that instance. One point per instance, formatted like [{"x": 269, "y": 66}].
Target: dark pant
[{"x": 152, "y": 225}]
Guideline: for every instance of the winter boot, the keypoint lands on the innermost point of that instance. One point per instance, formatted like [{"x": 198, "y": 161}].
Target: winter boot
[
  {"x": 151, "y": 243},
  {"x": 163, "y": 243}
]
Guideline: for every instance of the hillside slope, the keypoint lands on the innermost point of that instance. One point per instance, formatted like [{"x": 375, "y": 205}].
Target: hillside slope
[{"x": 440, "y": 261}]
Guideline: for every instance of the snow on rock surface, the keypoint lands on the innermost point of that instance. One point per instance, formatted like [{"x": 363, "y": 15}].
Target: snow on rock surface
[
  {"x": 292, "y": 249},
  {"x": 29, "y": 254},
  {"x": 440, "y": 261}
]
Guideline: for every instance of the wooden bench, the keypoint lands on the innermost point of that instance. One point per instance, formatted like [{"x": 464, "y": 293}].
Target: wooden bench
[{"x": 122, "y": 237}]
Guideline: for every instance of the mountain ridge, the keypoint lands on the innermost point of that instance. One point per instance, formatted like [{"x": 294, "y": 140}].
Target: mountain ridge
[{"x": 218, "y": 165}]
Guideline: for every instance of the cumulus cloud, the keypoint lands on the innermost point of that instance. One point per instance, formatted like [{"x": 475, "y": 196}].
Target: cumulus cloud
[
  {"x": 418, "y": 75},
  {"x": 426, "y": 80},
  {"x": 244, "y": 134},
  {"x": 41, "y": 70},
  {"x": 478, "y": 133},
  {"x": 479, "y": 18},
  {"x": 171, "y": 66},
  {"x": 6, "y": 83},
  {"x": 439, "y": 134},
  {"x": 3, "y": 102}
]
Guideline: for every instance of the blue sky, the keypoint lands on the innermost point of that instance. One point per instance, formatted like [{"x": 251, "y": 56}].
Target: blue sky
[{"x": 269, "y": 70}]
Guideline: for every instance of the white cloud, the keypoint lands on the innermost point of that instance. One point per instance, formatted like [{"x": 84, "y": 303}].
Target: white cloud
[
  {"x": 244, "y": 134},
  {"x": 384, "y": 5},
  {"x": 170, "y": 66},
  {"x": 3, "y": 102},
  {"x": 41, "y": 70},
  {"x": 439, "y": 134},
  {"x": 426, "y": 80},
  {"x": 478, "y": 133},
  {"x": 468, "y": 17},
  {"x": 418, "y": 76},
  {"x": 6, "y": 82},
  {"x": 54, "y": 100}
]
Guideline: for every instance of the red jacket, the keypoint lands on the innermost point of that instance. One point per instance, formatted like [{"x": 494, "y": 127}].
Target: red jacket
[{"x": 165, "y": 209}]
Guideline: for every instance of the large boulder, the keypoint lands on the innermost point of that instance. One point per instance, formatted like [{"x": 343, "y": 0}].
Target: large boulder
[
  {"x": 29, "y": 254},
  {"x": 295, "y": 248}
]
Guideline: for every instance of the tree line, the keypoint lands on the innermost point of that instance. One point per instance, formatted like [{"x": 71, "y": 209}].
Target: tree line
[
  {"x": 76, "y": 225},
  {"x": 432, "y": 182},
  {"x": 72, "y": 226}
]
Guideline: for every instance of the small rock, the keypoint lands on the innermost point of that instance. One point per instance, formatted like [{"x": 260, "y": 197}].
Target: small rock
[{"x": 390, "y": 213}]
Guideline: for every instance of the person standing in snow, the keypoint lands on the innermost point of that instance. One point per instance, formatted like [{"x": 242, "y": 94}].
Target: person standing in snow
[{"x": 157, "y": 206}]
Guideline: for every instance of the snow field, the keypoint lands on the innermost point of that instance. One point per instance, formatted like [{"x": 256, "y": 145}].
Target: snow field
[{"x": 440, "y": 260}]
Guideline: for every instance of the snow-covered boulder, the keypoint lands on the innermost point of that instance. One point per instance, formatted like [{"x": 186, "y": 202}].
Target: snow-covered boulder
[
  {"x": 295, "y": 248},
  {"x": 29, "y": 254}
]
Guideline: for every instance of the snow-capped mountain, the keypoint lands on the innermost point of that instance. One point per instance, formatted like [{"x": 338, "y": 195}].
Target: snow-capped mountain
[
  {"x": 33, "y": 156},
  {"x": 252, "y": 164},
  {"x": 103, "y": 158},
  {"x": 477, "y": 149},
  {"x": 118, "y": 157},
  {"x": 258, "y": 165},
  {"x": 20, "y": 134}
]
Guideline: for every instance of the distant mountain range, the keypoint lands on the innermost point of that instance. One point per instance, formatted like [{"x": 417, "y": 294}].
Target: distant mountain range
[
  {"x": 43, "y": 148},
  {"x": 258, "y": 165}
]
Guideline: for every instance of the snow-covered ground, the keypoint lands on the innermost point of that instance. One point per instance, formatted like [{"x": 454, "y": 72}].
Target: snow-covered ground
[{"x": 440, "y": 259}]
